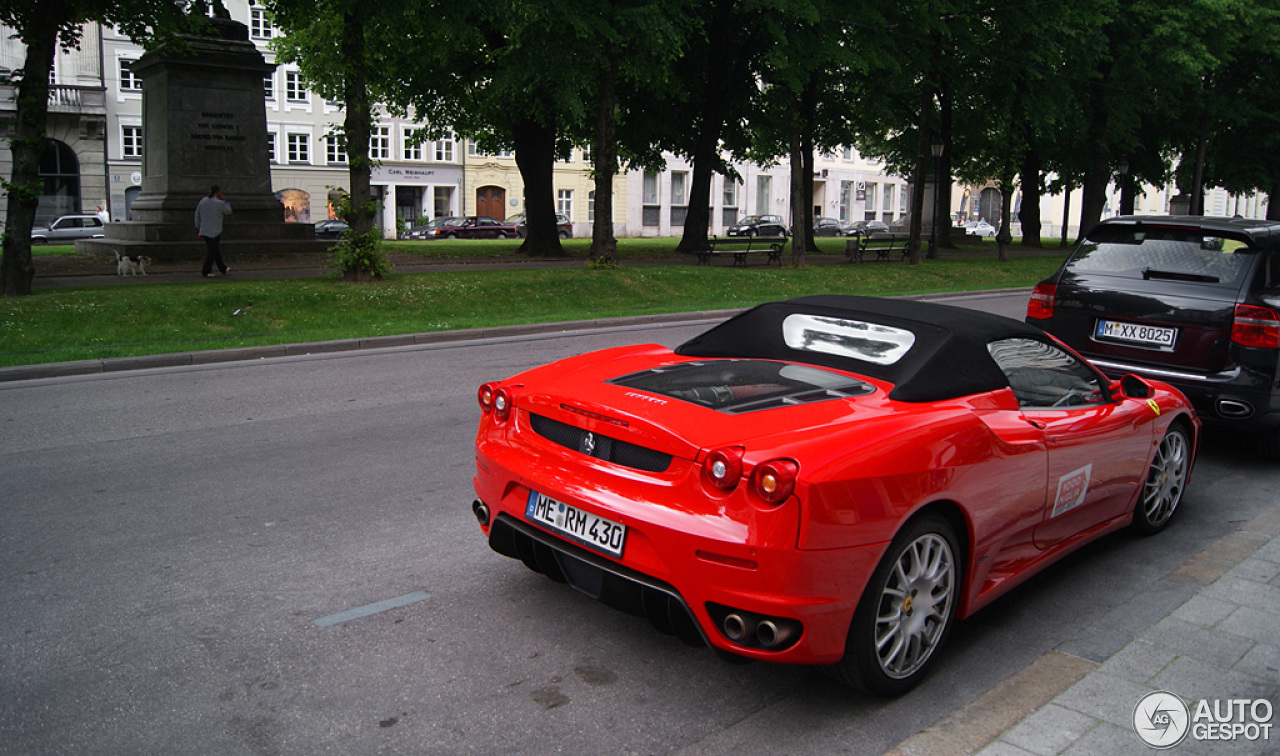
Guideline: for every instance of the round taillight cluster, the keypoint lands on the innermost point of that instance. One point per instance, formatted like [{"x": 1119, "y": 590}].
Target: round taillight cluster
[
  {"x": 723, "y": 467},
  {"x": 771, "y": 481},
  {"x": 774, "y": 481},
  {"x": 494, "y": 400}
]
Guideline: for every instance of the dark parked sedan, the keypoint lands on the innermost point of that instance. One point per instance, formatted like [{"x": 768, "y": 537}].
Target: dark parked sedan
[
  {"x": 564, "y": 229},
  {"x": 1191, "y": 301},
  {"x": 868, "y": 228},
  {"x": 758, "y": 225},
  {"x": 478, "y": 227},
  {"x": 828, "y": 227},
  {"x": 330, "y": 229}
]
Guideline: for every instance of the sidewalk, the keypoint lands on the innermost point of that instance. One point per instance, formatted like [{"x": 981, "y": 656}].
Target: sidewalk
[{"x": 1217, "y": 649}]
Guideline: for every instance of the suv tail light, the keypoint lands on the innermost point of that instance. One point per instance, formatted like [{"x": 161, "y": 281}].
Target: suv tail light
[
  {"x": 1040, "y": 306},
  {"x": 1256, "y": 327}
]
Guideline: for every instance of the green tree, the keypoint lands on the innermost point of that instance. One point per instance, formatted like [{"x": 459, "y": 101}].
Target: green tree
[{"x": 44, "y": 26}]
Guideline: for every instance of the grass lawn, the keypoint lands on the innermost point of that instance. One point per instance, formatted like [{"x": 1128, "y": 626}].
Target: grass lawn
[{"x": 64, "y": 324}]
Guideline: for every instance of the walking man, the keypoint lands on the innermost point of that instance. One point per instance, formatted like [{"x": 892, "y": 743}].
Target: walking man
[{"x": 209, "y": 214}]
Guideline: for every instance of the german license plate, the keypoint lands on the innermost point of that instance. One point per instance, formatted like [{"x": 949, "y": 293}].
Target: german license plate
[
  {"x": 1156, "y": 337},
  {"x": 583, "y": 527}
]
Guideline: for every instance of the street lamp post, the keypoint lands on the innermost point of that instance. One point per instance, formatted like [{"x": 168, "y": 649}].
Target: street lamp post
[{"x": 935, "y": 148}]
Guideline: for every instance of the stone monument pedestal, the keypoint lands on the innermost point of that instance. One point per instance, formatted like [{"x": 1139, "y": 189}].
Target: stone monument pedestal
[{"x": 205, "y": 124}]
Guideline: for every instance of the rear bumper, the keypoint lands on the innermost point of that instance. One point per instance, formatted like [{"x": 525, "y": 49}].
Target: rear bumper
[{"x": 1238, "y": 398}]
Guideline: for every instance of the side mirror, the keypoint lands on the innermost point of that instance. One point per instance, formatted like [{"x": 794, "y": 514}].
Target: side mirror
[{"x": 1131, "y": 387}]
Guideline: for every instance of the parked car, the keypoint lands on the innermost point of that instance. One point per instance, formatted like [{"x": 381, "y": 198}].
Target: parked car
[
  {"x": 436, "y": 228},
  {"x": 1193, "y": 301},
  {"x": 563, "y": 227},
  {"x": 67, "y": 228},
  {"x": 979, "y": 228},
  {"x": 331, "y": 229},
  {"x": 477, "y": 227},
  {"x": 828, "y": 227},
  {"x": 867, "y": 228},
  {"x": 828, "y": 480},
  {"x": 758, "y": 225}
]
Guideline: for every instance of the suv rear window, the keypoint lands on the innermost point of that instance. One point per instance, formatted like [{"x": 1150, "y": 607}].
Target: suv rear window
[{"x": 1164, "y": 253}]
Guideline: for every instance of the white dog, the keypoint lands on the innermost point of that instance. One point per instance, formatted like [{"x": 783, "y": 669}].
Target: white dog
[{"x": 130, "y": 266}]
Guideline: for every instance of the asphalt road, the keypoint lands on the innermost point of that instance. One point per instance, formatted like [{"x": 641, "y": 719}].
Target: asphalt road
[{"x": 181, "y": 551}]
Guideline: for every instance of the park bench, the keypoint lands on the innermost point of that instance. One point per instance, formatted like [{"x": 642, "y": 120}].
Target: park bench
[
  {"x": 883, "y": 246},
  {"x": 741, "y": 246}
]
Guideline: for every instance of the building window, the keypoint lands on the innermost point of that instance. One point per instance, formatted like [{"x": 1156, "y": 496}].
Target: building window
[
  {"x": 729, "y": 202},
  {"x": 128, "y": 82},
  {"x": 586, "y": 154},
  {"x": 131, "y": 141},
  {"x": 564, "y": 202},
  {"x": 380, "y": 143},
  {"x": 294, "y": 88},
  {"x": 335, "y": 152},
  {"x": 764, "y": 190},
  {"x": 869, "y": 206},
  {"x": 888, "y": 201},
  {"x": 679, "y": 202},
  {"x": 846, "y": 201},
  {"x": 847, "y": 154},
  {"x": 259, "y": 24},
  {"x": 412, "y": 149},
  {"x": 271, "y": 147},
  {"x": 299, "y": 148},
  {"x": 269, "y": 87},
  {"x": 651, "y": 213},
  {"x": 444, "y": 150}
]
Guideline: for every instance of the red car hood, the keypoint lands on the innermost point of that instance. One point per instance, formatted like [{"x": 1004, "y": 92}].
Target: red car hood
[{"x": 578, "y": 391}]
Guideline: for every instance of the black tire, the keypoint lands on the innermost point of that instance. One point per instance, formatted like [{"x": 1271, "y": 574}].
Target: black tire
[
  {"x": 891, "y": 611},
  {"x": 752, "y": 233},
  {"x": 451, "y": 236},
  {"x": 1166, "y": 480},
  {"x": 502, "y": 235}
]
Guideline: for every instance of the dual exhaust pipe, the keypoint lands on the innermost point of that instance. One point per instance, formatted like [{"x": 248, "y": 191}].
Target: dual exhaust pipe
[{"x": 763, "y": 632}]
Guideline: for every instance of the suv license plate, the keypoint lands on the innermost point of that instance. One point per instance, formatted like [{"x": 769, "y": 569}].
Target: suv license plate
[
  {"x": 1155, "y": 337},
  {"x": 582, "y": 527}
]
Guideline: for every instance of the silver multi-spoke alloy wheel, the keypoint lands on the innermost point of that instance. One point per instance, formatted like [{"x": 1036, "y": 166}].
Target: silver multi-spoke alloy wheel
[
  {"x": 915, "y": 605},
  {"x": 1165, "y": 482}
]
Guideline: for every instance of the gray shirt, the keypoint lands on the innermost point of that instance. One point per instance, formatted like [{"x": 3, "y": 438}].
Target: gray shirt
[{"x": 209, "y": 214}]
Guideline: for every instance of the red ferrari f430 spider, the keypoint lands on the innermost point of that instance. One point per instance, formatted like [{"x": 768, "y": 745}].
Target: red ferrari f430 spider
[{"x": 830, "y": 480}]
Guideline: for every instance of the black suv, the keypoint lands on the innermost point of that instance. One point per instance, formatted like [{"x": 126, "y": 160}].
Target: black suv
[{"x": 1188, "y": 300}]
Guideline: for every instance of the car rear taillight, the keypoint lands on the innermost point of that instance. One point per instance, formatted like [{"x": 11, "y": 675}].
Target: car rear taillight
[
  {"x": 723, "y": 467},
  {"x": 1040, "y": 306},
  {"x": 774, "y": 481},
  {"x": 494, "y": 400},
  {"x": 1256, "y": 327}
]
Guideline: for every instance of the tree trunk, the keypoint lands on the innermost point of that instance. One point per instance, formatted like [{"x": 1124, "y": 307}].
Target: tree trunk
[
  {"x": 605, "y": 155},
  {"x": 1273, "y": 201},
  {"x": 535, "y": 156},
  {"x": 1066, "y": 212},
  {"x": 27, "y": 146},
  {"x": 1029, "y": 213},
  {"x": 1197, "y": 176},
  {"x": 707, "y": 142},
  {"x": 1004, "y": 237},
  {"x": 943, "y": 196},
  {"x": 356, "y": 125},
  {"x": 920, "y": 174},
  {"x": 799, "y": 213},
  {"x": 1128, "y": 194}
]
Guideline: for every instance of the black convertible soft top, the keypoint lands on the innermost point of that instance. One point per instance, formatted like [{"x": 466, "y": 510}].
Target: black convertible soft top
[{"x": 945, "y": 355}]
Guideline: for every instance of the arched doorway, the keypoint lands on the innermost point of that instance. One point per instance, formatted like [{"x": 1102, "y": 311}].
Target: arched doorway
[
  {"x": 297, "y": 205},
  {"x": 59, "y": 182},
  {"x": 492, "y": 201},
  {"x": 989, "y": 206}
]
